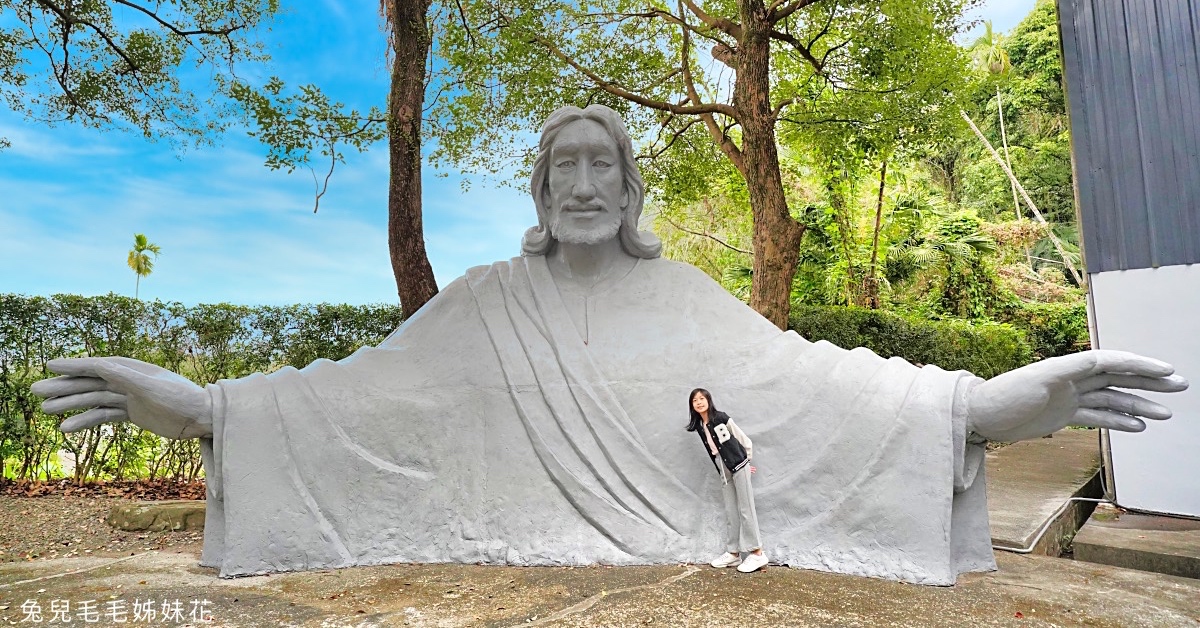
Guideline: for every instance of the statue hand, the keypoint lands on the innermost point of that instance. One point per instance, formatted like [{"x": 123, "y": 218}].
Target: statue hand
[
  {"x": 120, "y": 389},
  {"x": 1077, "y": 389}
]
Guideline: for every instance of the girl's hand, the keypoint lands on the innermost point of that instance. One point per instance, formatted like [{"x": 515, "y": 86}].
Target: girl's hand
[{"x": 752, "y": 469}]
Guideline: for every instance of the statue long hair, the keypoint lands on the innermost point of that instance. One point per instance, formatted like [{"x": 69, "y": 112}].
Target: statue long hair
[{"x": 538, "y": 240}]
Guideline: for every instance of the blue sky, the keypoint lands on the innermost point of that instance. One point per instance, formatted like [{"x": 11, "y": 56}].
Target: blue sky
[{"x": 230, "y": 229}]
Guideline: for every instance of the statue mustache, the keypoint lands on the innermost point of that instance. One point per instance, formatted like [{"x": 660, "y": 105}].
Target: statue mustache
[{"x": 583, "y": 207}]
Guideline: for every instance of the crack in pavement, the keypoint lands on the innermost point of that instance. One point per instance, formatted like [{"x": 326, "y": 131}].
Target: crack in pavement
[
  {"x": 70, "y": 573},
  {"x": 591, "y": 601}
]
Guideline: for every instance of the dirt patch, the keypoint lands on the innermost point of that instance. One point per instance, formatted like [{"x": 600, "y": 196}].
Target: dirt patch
[
  {"x": 59, "y": 526},
  {"x": 128, "y": 489}
]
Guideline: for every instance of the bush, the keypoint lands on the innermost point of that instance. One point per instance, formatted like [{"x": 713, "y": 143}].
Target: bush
[
  {"x": 1052, "y": 329},
  {"x": 985, "y": 349},
  {"x": 204, "y": 343}
]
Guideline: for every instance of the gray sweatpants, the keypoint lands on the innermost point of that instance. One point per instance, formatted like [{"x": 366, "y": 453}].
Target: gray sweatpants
[{"x": 739, "y": 512}]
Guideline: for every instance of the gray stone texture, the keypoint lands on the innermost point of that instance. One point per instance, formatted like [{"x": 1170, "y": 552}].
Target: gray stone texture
[
  {"x": 158, "y": 516},
  {"x": 1031, "y": 481},
  {"x": 1168, "y": 545},
  {"x": 533, "y": 414}
]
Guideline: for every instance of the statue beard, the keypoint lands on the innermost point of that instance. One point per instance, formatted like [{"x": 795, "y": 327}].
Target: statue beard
[{"x": 564, "y": 231}]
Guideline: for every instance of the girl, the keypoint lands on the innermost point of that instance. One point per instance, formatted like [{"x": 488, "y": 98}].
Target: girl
[{"x": 723, "y": 439}]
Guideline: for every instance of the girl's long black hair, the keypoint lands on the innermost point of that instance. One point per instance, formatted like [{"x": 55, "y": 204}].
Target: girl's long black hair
[{"x": 694, "y": 424}]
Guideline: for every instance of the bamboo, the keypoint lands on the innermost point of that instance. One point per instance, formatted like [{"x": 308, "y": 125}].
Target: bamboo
[{"x": 1079, "y": 279}]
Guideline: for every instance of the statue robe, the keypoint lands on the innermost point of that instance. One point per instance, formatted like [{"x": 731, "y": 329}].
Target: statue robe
[{"x": 494, "y": 427}]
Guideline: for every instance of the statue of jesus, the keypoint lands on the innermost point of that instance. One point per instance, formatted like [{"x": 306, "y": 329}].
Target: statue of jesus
[{"x": 531, "y": 414}]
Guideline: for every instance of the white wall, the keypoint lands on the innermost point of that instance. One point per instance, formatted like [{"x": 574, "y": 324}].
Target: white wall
[{"x": 1156, "y": 312}]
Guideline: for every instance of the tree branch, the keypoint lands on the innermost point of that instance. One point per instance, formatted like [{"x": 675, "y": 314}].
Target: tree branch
[
  {"x": 705, "y": 235},
  {"x": 729, "y": 27},
  {"x": 816, "y": 63},
  {"x": 671, "y": 18},
  {"x": 229, "y": 30},
  {"x": 718, "y": 136},
  {"x": 674, "y": 137},
  {"x": 780, "y": 11},
  {"x": 620, "y": 92}
]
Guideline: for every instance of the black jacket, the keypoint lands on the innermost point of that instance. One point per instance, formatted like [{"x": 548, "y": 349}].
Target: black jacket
[{"x": 733, "y": 454}]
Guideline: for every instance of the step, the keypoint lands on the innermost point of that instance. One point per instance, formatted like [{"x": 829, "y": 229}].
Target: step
[
  {"x": 1157, "y": 543},
  {"x": 1029, "y": 489}
]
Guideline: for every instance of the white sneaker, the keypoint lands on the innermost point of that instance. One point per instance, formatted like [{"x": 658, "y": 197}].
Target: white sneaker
[
  {"x": 753, "y": 562},
  {"x": 726, "y": 560}
]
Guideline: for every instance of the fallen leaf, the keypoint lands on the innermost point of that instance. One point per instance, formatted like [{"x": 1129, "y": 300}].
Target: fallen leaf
[{"x": 1019, "y": 615}]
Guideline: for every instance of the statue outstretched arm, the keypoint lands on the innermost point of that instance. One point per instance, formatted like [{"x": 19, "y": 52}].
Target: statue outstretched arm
[
  {"x": 1078, "y": 389},
  {"x": 117, "y": 389}
]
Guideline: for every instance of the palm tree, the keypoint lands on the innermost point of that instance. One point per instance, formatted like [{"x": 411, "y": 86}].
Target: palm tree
[
  {"x": 991, "y": 57},
  {"x": 139, "y": 261}
]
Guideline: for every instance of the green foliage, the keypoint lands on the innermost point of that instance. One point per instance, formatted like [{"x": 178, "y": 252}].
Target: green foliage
[
  {"x": 139, "y": 259},
  {"x": 1035, "y": 113},
  {"x": 985, "y": 349},
  {"x": 297, "y": 125},
  {"x": 1052, "y": 329},
  {"x": 864, "y": 73},
  {"x": 128, "y": 64},
  {"x": 205, "y": 343}
]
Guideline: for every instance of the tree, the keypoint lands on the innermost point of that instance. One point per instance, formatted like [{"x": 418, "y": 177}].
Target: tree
[
  {"x": 410, "y": 41},
  {"x": 992, "y": 58},
  {"x": 128, "y": 64},
  {"x": 302, "y": 123},
  {"x": 139, "y": 261},
  {"x": 513, "y": 61}
]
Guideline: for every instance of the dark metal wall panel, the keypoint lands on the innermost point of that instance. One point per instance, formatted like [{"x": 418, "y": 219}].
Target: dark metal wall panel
[{"x": 1132, "y": 73}]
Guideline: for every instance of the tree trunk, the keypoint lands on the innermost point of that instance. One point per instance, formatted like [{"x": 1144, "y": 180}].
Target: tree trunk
[
  {"x": 1004, "y": 142},
  {"x": 872, "y": 277},
  {"x": 839, "y": 201},
  {"x": 406, "y": 239},
  {"x": 776, "y": 234}
]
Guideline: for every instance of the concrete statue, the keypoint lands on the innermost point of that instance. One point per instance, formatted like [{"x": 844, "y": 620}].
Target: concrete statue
[{"x": 532, "y": 414}]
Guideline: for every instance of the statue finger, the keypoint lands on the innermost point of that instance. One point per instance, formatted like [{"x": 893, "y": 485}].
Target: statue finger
[
  {"x": 122, "y": 377},
  {"x": 92, "y": 418},
  {"x": 98, "y": 398},
  {"x": 1090, "y": 363},
  {"x": 1108, "y": 361},
  {"x": 1091, "y": 417},
  {"x": 85, "y": 367},
  {"x": 67, "y": 385},
  {"x": 1109, "y": 399},
  {"x": 1173, "y": 383}
]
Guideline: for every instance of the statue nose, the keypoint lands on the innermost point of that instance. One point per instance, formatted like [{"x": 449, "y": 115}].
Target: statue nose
[{"x": 585, "y": 185}]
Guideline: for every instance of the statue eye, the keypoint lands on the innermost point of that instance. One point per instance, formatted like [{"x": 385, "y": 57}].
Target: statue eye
[
  {"x": 566, "y": 164},
  {"x": 599, "y": 163}
]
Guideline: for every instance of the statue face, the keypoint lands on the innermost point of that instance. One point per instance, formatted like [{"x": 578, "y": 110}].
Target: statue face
[{"x": 586, "y": 186}]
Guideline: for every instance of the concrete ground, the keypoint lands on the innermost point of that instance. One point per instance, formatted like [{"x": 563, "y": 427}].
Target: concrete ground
[
  {"x": 1030, "y": 481},
  {"x": 1169, "y": 545},
  {"x": 1026, "y": 591},
  {"x": 1027, "y": 483}
]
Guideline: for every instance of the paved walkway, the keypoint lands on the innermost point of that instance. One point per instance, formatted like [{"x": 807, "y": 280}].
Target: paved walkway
[
  {"x": 1027, "y": 591},
  {"x": 1027, "y": 482}
]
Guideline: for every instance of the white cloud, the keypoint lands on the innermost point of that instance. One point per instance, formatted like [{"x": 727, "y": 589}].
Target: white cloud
[
  {"x": 37, "y": 144},
  {"x": 1003, "y": 14}
]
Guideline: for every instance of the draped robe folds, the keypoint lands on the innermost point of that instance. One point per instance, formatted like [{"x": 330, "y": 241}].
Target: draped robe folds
[{"x": 493, "y": 426}]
